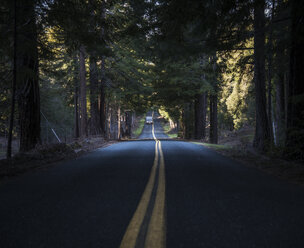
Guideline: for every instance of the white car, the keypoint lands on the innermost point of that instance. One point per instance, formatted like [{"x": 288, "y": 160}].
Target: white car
[{"x": 149, "y": 120}]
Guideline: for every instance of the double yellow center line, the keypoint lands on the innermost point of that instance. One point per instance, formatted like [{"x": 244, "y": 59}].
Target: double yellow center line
[{"x": 147, "y": 227}]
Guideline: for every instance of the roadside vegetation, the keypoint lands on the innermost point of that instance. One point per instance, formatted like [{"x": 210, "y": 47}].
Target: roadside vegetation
[
  {"x": 238, "y": 146},
  {"x": 168, "y": 125},
  {"x": 47, "y": 154},
  {"x": 137, "y": 130},
  {"x": 169, "y": 131}
]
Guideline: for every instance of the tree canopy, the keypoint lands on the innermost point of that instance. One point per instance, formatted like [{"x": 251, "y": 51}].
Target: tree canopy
[{"x": 85, "y": 67}]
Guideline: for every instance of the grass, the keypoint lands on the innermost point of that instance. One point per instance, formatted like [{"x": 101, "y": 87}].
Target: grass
[
  {"x": 214, "y": 146},
  {"x": 167, "y": 129},
  {"x": 138, "y": 130}
]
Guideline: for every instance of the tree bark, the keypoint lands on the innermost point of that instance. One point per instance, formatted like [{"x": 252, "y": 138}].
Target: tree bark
[
  {"x": 280, "y": 79},
  {"x": 262, "y": 136},
  {"x": 213, "y": 137},
  {"x": 102, "y": 99},
  {"x": 76, "y": 111},
  {"x": 270, "y": 60},
  {"x": 83, "y": 93},
  {"x": 187, "y": 121},
  {"x": 118, "y": 123},
  {"x": 200, "y": 115},
  {"x": 95, "y": 127},
  {"x": 11, "y": 125},
  {"x": 27, "y": 79},
  {"x": 295, "y": 112},
  {"x": 128, "y": 124},
  {"x": 280, "y": 110}
]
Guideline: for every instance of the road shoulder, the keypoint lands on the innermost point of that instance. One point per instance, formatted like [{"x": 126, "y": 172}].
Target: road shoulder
[
  {"x": 287, "y": 170},
  {"x": 49, "y": 155}
]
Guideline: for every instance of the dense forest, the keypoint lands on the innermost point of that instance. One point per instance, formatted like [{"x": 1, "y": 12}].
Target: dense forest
[{"x": 73, "y": 69}]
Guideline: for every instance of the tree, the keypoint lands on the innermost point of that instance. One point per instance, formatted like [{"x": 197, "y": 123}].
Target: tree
[
  {"x": 28, "y": 95},
  {"x": 95, "y": 125},
  {"x": 200, "y": 115},
  {"x": 262, "y": 133},
  {"x": 11, "y": 125},
  {"x": 295, "y": 114},
  {"x": 83, "y": 93}
]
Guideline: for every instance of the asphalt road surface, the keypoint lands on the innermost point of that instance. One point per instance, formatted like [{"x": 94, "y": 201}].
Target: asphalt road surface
[{"x": 150, "y": 193}]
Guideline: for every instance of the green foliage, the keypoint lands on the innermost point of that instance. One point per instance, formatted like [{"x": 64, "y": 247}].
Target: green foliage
[
  {"x": 136, "y": 132},
  {"x": 237, "y": 99},
  {"x": 149, "y": 54},
  {"x": 130, "y": 78},
  {"x": 214, "y": 146}
]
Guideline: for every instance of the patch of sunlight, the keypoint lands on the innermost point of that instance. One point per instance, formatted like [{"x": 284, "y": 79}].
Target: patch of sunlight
[
  {"x": 215, "y": 146},
  {"x": 138, "y": 130}
]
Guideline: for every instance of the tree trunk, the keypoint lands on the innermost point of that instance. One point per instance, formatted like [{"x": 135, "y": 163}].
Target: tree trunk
[
  {"x": 200, "y": 116},
  {"x": 280, "y": 110},
  {"x": 213, "y": 137},
  {"x": 102, "y": 99},
  {"x": 11, "y": 124},
  {"x": 118, "y": 123},
  {"x": 295, "y": 112},
  {"x": 109, "y": 119},
  {"x": 128, "y": 124},
  {"x": 27, "y": 80},
  {"x": 83, "y": 93},
  {"x": 270, "y": 54},
  {"x": 187, "y": 121},
  {"x": 262, "y": 136},
  {"x": 281, "y": 69},
  {"x": 76, "y": 111},
  {"x": 95, "y": 127}
]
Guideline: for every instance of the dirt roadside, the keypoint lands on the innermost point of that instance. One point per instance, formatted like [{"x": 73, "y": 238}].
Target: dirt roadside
[
  {"x": 291, "y": 171},
  {"x": 48, "y": 155}
]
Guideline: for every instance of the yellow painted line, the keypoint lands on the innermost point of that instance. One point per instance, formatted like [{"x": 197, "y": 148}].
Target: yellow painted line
[
  {"x": 156, "y": 236},
  {"x": 129, "y": 239},
  {"x": 153, "y": 134}
]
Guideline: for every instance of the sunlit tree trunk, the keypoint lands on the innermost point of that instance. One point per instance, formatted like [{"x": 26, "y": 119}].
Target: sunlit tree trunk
[{"x": 262, "y": 136}]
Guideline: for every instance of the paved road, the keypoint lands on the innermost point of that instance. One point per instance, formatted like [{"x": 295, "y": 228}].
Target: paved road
[
  {"x": 158, "y": 129},
  {"x": 151, "y": 193}
]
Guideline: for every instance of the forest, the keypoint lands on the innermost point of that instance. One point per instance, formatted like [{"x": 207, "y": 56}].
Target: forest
[{"x": 72, "y": 69}]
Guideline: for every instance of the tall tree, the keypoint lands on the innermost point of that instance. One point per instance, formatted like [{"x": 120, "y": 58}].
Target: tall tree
[
  {"x": 262, "y": 133},
  {"x": 28, "y": 95},
  {"x": 200, "y": 115},
  {"x": 213, "y": 137},
  {"x": 95, "y": 127},
  {"x": 281, "y": 59},
  {"x": 11, "y": 125},
  {"x": 83, "y": 93},
  {"x": 295, "y": 114},
  {"x": 102, "y": 98}
]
